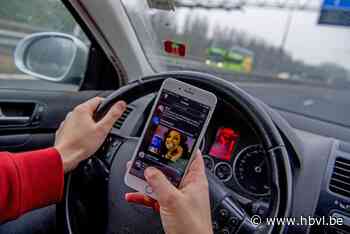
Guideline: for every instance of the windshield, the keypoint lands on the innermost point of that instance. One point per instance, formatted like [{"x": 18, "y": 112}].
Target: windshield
[{"x": 284, "y": 40}]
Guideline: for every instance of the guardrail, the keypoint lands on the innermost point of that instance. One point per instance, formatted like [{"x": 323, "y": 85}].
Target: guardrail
[
  {"x": 10, "y": 38},
  {"x": 12, "y": 32}
]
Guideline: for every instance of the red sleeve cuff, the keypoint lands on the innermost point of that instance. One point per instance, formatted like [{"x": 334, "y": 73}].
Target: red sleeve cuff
[
  {"x": 9, "y": 188},
  {"x": 41, "y": 178}
]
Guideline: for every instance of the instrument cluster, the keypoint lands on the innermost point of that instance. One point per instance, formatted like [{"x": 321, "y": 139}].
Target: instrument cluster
[{"x": 238, "y": 160}]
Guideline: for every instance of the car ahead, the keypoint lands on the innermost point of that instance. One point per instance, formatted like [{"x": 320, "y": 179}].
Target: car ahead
[
  {"x": 236, "y": 59},
  {"x": 279, "y": 141}
]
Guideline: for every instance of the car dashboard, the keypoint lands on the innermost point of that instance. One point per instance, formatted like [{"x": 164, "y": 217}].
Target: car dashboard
[{"x": 233, "y": 152}]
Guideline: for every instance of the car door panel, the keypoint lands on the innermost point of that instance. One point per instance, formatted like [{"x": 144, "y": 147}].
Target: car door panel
[
  {"x": 24, "y": 142},
  {"x": 42, "y": 113}
]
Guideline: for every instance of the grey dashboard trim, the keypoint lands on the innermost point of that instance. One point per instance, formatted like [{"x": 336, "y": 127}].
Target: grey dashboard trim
[
  {"x": 308, "y": 180},
  {"x": 315, "y": 126}
]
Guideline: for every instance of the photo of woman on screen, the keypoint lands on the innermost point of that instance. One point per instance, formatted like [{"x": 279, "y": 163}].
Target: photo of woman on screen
[{"x": 174, "y": 145}]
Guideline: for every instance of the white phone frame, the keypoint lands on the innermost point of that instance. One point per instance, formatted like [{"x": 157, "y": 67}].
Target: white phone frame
[{"x": 187, "y": 91}]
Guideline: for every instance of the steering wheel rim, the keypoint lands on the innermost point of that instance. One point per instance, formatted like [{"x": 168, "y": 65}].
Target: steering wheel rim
[{"x": 256, "y": 114}]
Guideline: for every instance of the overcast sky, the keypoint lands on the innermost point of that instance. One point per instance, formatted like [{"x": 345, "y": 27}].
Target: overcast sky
[{"x": 307, "y": 40}]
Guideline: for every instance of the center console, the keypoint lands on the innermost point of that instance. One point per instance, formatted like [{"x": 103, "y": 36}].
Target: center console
[{"x": 334, "y": 198}]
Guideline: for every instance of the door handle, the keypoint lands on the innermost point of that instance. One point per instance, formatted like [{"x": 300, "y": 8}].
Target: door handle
[
  {"x": 14, "y": 120},
  {"x": 20, "y": 114}
]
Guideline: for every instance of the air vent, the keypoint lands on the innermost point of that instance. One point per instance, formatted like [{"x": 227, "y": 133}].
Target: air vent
[
  {"x": 121, "y": 120},
  {"x": 340, "y": 180}
]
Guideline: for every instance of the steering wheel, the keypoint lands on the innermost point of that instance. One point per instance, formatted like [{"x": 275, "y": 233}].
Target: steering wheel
[{"x": 97, "y": 186}]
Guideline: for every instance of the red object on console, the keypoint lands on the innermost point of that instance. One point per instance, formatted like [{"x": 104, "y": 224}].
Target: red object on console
[{"x": 225, "y": 143}]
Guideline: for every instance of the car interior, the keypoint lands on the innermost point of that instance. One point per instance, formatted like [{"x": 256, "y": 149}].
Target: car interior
[{"x": 289, "y": 134}]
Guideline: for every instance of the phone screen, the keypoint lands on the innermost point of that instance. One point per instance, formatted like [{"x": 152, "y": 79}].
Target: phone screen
[{"x": 171, "y": 136}]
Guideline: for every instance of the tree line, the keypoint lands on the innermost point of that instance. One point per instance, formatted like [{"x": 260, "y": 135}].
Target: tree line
[
  {"x": 269, "y": 60},
  {"x": 46, "y": 14}
]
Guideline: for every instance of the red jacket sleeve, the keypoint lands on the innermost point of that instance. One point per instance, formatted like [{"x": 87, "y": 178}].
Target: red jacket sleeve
[{"x": 28, "y": 181}]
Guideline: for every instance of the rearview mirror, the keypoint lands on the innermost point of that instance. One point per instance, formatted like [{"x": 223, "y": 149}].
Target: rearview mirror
[{"x": 55, "y": 57}]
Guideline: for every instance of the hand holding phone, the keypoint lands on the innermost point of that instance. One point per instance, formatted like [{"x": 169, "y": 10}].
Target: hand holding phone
[
  {"x": 183, "y": 210},
  {"x": 174, "y": 130}
]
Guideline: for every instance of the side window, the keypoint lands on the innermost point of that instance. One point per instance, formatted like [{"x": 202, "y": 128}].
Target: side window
[{"x": 41, "y": 46}]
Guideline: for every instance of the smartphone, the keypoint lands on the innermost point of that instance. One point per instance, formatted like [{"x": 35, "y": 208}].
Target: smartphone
[{"x": 173, "y": 132}]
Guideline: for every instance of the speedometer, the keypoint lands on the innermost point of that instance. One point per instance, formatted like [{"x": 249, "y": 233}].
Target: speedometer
[{"x": 251, "y": 171}]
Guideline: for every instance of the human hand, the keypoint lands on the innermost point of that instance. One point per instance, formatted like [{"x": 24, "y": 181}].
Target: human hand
[
  {"x": 184, "y": 210},
  {"x": 79, "y": 136}
]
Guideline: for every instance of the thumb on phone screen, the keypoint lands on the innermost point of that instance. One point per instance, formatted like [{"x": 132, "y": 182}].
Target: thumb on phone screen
[
  {"x": 183, "y": 210},
  {"x": 161, "y": 186}
]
